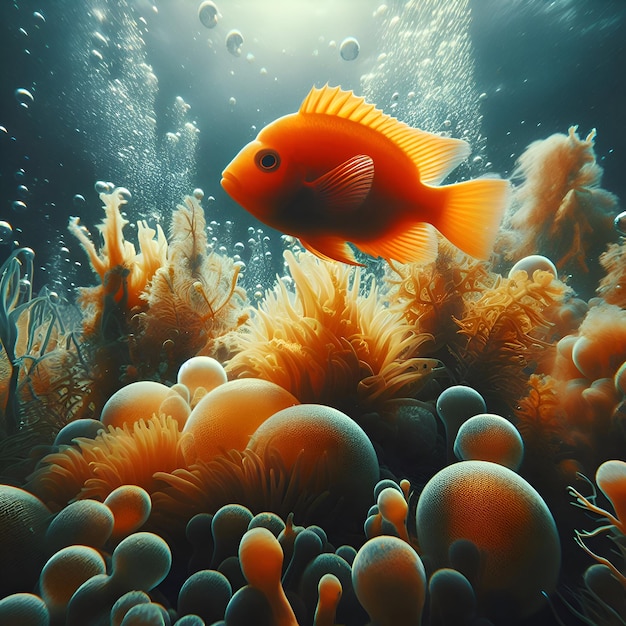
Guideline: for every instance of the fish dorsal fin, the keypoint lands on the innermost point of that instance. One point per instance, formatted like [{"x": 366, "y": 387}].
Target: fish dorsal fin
[
  {"x": 434, "y": 156},
  {"x": 346, "y": 186}
]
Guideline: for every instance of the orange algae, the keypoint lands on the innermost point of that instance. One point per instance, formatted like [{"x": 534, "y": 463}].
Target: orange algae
[
  {"x": 612, "y": 287},
  {"x": 193, "y": 299},
  {"x": 559, "y": 204},
  {"x": 505, "y": 331},
  {"x": 328, "y": 344},
  {"x": 430, "y": 296}
]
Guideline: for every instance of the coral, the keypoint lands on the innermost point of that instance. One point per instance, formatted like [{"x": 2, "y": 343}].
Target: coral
[
  {"x": 226, "y": 417},
  {"x": 133, "y": 402},
  {"x": 261, "y": 559},
  {"x": 327, "y": 344},
  {"x": 429, "y": 297},
  {"x": 23, "y": 520},
  {"x": 64, "y": 572},
  {"x": 201, "y": 371},
  {"x": 489, "y": 437},
  {"x": 559, "y": 203},
  {"x": 124, "y": 273},
  {"x": 505, "y": 332},
  {"x": 309, "y": 436},
  {"x": 192, "y": 300},
  {"x": 507, "y": 521},
  {"x": 93, "y": 468},
  {"x": 390, "y": 581},
  {"x": 611, "y": 478}
]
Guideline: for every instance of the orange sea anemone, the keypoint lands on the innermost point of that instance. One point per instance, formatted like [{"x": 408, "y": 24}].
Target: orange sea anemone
[
  {"x": 327, "y": 343},
  {"x": 93, "y": 468}
]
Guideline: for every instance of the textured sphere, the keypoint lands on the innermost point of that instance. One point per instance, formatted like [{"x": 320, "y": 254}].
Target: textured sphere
[
  {"x": 510, "y": 524},
  {"x": 226, "y": 416},
  {"x": 390, "y": 582},
  {"x": 23, "y": 522},
  {"x": 315, "y": 431},
  {"x": 489, "y": 437},
  {"x": 201, "y": 371},
  {"x": 136, "y": 401}
]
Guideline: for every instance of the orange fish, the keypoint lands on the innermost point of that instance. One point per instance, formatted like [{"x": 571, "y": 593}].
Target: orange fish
[{"x": 340, "y": 170}]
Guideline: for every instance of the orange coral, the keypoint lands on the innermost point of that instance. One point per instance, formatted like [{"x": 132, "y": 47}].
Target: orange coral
[
  {"x": 328, "y": 344},
  {"x": 612, "y": 287},
  {"x": 429, "y": 296}
]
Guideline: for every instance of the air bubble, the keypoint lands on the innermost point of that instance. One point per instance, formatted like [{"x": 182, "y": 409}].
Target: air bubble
[
  {"x": 208, "y": 14},
  {"x": 18, "y": 206},
  {"x": 6, "y": 232},
  {"x": 349, "y": 49},
  {"x": 198, "y": 194},
  {"x": 234, "y": 41},
  {"x": 24, "y": 97},
  {"x": 78, "y": 200}
]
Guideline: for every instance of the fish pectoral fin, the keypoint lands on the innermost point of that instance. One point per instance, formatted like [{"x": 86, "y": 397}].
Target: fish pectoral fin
[
  {"x": 346, "y": 186},
  {"x": 418, "y": 244},
  {"x": 331, "y": 249}
]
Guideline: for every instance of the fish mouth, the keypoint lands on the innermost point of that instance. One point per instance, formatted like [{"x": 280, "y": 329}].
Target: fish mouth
[{"x": 229, "y": 182}]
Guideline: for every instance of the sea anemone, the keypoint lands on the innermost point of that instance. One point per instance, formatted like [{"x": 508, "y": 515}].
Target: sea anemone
[
  {"x": 325, "y": 343},
  {"x": 93, "y": 468}
]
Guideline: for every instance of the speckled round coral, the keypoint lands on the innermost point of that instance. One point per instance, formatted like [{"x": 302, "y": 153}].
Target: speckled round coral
[
  {"x": 226, "y": 416},
  {"x": 510, "y": 524},
  {"x": 314, "y": 438},
  {"x": 23, "y": 522}
]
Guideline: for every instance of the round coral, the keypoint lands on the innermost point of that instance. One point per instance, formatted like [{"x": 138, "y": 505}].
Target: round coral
[
  {"x": 319, "y": 439},
  {"x": 490, "y": 437},
  {"x": 139, "y": 400},
  {"x": 23, "y": 522},
  {"x": 390, "y": 581},
  {"x": 226, "y": 416},
  {"x": 509, "y": 523}
]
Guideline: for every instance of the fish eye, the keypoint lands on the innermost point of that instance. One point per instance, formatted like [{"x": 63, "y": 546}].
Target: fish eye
[{"x": 267, "y": 160}]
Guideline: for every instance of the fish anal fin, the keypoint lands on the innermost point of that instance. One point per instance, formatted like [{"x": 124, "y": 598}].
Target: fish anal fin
[
  {"x": 434, "y": 156},
  {"x": 471, "y": 216},
  {"x": 331, "y": 249},
  {"x": 417, "y": 244},
  {"x": 346, "y": 186}
]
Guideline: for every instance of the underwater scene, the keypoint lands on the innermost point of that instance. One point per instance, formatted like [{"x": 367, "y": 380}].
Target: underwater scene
[{"x": 312, "y": 312}]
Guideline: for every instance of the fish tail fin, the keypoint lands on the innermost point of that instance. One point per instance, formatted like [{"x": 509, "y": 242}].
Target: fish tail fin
[{"x": 472, "y": 213}]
